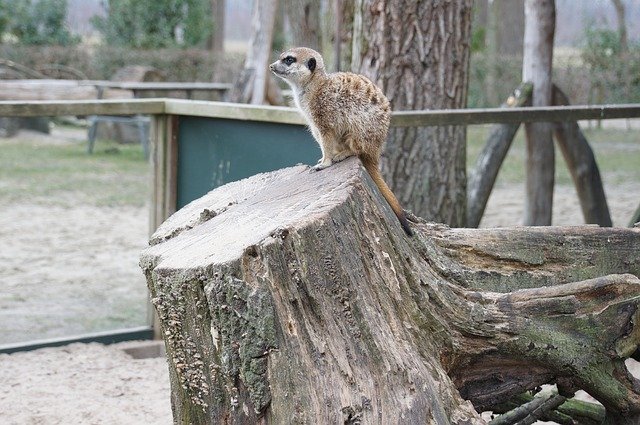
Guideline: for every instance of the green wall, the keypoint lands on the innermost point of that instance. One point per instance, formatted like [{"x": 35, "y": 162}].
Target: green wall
[{"x": 214, "y": 151}]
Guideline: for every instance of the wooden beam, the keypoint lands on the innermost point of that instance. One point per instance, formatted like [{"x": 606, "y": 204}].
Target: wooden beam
[
  {"x": 515, "y": 115},
  {"x": 164, "y": 182},
  {"x": 237, "y": 111},
  {"x": 485, "y": 171},
  {"x": 56, "y": 89},
  {"x": 46, "y": 108},
  {"x": 582, "y": 165},
  {"x": 287, "y": 115}
]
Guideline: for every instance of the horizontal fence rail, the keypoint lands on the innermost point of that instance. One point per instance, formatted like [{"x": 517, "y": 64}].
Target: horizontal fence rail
[
  {"x": 513, "y": 115},
  {"x": 286, "y": 115},
  {"x": 52, "y": 108}
]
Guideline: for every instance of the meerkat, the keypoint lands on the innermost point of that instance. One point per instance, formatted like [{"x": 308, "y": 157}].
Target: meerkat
[{"x": 347, "y": 114}]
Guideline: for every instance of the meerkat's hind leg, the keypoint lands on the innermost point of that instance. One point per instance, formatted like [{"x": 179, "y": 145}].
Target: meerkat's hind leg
[{"x": 340, "y": 156}]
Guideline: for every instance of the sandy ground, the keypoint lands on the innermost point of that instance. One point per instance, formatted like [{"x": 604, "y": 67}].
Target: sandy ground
[
  {"x": 76, "y": 267},
  {"x": 95, "y": 384},
  {"x": 83, "y": 384}
]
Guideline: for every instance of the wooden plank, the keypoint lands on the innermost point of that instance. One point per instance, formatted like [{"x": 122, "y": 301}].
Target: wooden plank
[
  {"x": 171, "y": 177},
  {"x": 163, "y": 86},
  {"x": 288, "y": 115},
  {"x": 485, "y": 171},
  {"x": 515, "y": 115},
  {"x": 583, "y": 167},
  {"x": 156, "y": 160},
  {"x": 238, "y": 111},
  {"x": 44, "y": 108},
  {"x": 51, "y": 89}
]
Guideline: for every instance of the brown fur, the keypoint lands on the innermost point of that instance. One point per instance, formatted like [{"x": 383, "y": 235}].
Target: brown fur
[{"x": 347, "y": 114}]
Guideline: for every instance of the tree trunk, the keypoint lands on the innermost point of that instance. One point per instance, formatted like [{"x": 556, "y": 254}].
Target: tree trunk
[
  {"x": 276, "y": 313},
  {"x": 251, "y": 84},
  {"x": 622, "y": 26},
  {"x": 510, "y": 27},
  {"x": 492, "y": 49},
  {"x": 582, "y": 165},
  {"x": 216, "y": 40},
  {"x": 536, "y": 69},
  {"x": 418, "y": 53},
  {"x": 304, "y": 23}
]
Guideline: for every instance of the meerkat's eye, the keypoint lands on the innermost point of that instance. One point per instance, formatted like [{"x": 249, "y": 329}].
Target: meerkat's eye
[{"x": 289, "y": 60}]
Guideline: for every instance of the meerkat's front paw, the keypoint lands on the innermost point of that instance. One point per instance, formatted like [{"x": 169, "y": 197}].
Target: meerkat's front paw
[{"x": 321, "y": 165}]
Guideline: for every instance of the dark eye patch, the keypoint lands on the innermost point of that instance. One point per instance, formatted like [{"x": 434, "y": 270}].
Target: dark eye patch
[
  {"x": 289, "y": 60},
  {"x": 311, "y": 64}
]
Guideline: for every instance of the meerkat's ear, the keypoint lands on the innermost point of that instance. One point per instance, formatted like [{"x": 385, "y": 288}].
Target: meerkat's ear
[{"x": 311, "y": 64}]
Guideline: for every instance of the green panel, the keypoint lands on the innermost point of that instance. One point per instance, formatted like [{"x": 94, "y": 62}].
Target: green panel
[{"x": 215, "y": 151}]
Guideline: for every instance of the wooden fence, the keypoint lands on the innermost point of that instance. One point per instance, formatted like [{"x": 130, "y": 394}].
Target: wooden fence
[{"x": 176, "y": 124}]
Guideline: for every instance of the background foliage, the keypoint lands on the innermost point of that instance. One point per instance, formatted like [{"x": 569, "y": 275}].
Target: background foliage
[
  {"x": 157, "y": 24},
  {"x": 36, "y": 22}
]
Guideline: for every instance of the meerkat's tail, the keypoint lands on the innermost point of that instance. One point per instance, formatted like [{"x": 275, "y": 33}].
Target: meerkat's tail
[{"x": 371, "y": 166}]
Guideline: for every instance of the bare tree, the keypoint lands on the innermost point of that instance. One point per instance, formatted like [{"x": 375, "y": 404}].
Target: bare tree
[
  {"x": 251, "y": 84},
  {"x": 510, "y": 26},
  {"x": 622, "y": 26},
  {"x": 304, "y": 22},
  {"x": 418, "y": 53},
  {"x": 536, "y": 68}
]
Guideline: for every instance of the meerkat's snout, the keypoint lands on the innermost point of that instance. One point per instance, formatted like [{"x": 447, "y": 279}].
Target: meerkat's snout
[{"x": 278, "y": 69}]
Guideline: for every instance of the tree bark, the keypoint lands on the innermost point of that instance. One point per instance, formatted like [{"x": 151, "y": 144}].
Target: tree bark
[
  {"x": 304, "y": 23},
  {"x": 418, "y": 53},
  {"x": 582, "y": 165},
  {"x": 536, "y": 69},
  {"x": 295, "y": 297},
  {"x": 251, "y": 84},
  {"x": 510, "y": 30},
  {"x": 485, "y": 171}
]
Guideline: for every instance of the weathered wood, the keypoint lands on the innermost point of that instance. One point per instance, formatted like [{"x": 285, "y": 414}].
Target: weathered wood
[
  {"x": 251, "y": 84},
  {"x": 21, "y": 90},
  {"x": 571, "y": 412},
  {"x": 294, "y": 297},
  {"x": 290, "y": 115},
  {"x": 236, "y": 111},
  {"x": 582, "y": 165},
  {"x": 485, "y": 170},
  {"x": 515, "y": 115},
  {"x": 45, "y": 108},
  {"x": 537, "y": 61},
  {"x": 535, "y": 409}
]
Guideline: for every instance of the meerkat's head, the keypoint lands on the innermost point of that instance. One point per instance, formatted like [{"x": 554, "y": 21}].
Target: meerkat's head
[{"x": 298, "y": 65}]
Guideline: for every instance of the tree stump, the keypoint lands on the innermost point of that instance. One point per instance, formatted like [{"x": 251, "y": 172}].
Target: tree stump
[{"x": 295, "y": 297}]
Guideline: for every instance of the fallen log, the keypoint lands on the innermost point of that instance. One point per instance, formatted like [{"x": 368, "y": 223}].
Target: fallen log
[
  {"x": 56, "y": 90},
  {"x": 295, "y": 297}
]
